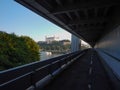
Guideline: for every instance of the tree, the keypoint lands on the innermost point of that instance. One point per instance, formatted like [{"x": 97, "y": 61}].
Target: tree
[{"x": 15, "y": 51}]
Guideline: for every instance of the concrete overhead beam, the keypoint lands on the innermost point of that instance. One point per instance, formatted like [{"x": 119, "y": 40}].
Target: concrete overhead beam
[{"x": 84, "y": 6}]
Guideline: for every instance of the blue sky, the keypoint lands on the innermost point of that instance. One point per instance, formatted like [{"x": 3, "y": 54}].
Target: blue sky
[{"x": 14, "y": 18}]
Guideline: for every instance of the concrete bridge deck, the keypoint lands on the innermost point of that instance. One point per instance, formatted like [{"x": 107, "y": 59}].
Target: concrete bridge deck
[{"x": 86, "y": 73}]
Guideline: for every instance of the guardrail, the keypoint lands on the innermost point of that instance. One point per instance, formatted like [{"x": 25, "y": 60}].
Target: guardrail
[{"x": 23, "y": 77}]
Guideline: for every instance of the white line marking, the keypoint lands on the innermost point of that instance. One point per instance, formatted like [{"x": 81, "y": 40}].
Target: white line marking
[
  {"x": 90, "y": 71},
  {"x": 91, "y": 62},
  {"x": 89, "y": 86}
]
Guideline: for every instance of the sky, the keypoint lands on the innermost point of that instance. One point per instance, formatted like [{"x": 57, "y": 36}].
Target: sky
[{"x": 15, "y": 18}]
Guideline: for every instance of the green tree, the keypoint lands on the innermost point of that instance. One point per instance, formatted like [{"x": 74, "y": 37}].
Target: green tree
[{"x": 15, "y": 51}]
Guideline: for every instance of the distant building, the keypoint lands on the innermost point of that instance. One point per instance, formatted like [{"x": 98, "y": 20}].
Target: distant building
[
  {"x": 51, "y": 39},
  {"x": 65, "y": 42}
]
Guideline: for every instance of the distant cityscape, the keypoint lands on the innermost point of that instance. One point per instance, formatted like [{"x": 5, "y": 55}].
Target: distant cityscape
[
  {"x": 51, "y": 39},
  {"x": 53, "y": 43}
]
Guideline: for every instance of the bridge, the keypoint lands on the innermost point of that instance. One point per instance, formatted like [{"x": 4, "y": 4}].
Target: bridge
[{"x": 95, "y": 21}]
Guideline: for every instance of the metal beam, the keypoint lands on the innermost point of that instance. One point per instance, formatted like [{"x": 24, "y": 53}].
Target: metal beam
[
  {"x": 96, "y": 12},
  {"x": 69, "y": 15},
  {"x": 86, "y": 13},
  {"x": 106, "y": 11},
  {"x": 83, "y": 6},
  {"x": 76, "y": 13},
  {"x": 87, "y": 21},
  {"x": 89, "y": 29},
  {"x": 70, "y": 1},
  {"x": 48, "y": 4},
  {"x": 59, "y": 2}
]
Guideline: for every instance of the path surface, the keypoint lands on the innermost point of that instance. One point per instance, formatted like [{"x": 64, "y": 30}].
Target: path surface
[{"x": 86, "y": 73}]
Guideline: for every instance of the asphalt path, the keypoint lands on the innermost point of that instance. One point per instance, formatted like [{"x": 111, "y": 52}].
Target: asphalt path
[{"x": 86, "y": 73}]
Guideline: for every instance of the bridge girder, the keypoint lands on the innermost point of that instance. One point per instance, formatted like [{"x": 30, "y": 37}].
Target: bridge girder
[{"x": 88, "y": 20}]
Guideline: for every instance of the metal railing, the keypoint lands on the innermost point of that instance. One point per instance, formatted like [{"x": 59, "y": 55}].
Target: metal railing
[{"x": 23, "y": 77}]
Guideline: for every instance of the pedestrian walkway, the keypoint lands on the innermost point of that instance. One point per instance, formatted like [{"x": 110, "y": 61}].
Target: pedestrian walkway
[{"x": 86, "y": 73}]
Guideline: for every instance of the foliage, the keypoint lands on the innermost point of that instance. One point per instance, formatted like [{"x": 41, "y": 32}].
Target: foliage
[{"x": 15, "y": 51}]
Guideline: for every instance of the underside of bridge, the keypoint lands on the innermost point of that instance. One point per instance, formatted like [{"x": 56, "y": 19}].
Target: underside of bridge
[
  {"x": 95, "y": 21},
  {"x": 87, "y": 19}
]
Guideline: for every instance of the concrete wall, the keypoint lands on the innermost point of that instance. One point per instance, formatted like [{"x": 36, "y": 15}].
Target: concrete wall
[
  {"x": 109, "y": 50},
  {"x": 111, "y": 43}
]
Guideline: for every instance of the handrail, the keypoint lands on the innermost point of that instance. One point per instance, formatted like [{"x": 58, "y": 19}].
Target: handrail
[
  {"x": 21, "y": 70},
  {"x": 33, "y": 72}
]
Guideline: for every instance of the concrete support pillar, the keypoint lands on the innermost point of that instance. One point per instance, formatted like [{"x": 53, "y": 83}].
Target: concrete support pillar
[{"x": 75, "y": 43}]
